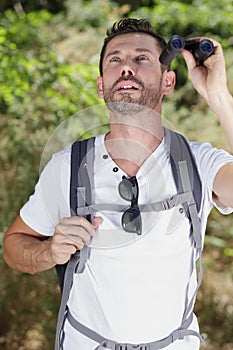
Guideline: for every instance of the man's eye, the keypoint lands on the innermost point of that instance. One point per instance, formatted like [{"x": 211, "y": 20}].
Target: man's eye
[
  {"x": 142, "y": 58},
  {"x": 115, "y": 59}
]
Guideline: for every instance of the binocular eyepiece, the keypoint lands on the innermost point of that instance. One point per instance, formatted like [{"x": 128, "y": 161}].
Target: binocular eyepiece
[{"x": 200, "y": 49}]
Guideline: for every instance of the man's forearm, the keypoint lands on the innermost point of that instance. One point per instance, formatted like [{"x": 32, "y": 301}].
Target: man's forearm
[
  {"x": 222, "y": 105},
  {"x": 27, "y": 253}
]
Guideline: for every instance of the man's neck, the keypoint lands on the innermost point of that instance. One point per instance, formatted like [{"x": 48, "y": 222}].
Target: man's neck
[{"x": 132, "y": 141}]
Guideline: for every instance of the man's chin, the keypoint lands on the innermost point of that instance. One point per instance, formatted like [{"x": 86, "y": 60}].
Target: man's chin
[{"x": 125, "y": 106}]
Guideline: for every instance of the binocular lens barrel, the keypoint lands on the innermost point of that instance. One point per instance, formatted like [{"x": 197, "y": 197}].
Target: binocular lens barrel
[
  {"x": 177, "y": 42},
  {"x": 202, "y": 50},
  {"x": 206, "y": 46},
  {"x": 173, "y": 48}
]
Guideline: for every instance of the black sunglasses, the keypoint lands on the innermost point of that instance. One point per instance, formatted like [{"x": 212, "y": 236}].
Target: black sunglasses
[{"x": 131, "y": 219}]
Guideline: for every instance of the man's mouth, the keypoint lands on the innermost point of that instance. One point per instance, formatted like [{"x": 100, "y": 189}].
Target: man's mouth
[{"x": 126, "y": 86}]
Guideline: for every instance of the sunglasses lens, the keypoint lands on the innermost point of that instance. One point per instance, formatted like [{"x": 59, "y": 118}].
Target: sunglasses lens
[
  {"x": 131, "y": 220},
  {"x": 128, "y": 189}
]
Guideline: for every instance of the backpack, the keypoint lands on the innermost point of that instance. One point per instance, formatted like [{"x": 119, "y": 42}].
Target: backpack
[{"x": 189, "y": 194}]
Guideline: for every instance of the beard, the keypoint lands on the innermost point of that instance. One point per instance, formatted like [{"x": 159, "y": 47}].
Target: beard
[{"x": 149, "y": 97}]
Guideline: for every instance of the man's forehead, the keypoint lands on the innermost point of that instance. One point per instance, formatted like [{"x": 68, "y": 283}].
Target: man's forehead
[{"x": 134, "y": 41}]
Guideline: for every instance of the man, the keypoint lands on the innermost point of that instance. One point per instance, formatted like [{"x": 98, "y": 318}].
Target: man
[{"x": 134, "y": 288}]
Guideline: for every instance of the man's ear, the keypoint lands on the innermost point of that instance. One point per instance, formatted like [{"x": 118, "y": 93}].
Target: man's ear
[
  {"x": 169, "y": 81},
  {"x": 100, "y": 87}
]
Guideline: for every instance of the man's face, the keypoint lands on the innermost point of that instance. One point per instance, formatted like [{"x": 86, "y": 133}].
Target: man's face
[{"x": 132, "y": 72}]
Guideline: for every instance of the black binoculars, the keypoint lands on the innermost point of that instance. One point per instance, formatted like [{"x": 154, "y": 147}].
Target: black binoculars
[{"x": 200, "y": 49}]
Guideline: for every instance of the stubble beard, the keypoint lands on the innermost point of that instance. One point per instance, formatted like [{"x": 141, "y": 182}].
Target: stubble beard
[{"x": 149, "y": 99}]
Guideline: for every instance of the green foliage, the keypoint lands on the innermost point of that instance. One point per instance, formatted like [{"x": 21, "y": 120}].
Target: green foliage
[
  {"x": 53, "y": 6},
  {"x": 32, "y": 72},
  {"x": 20, "y": 302},
  {"x": 84, "y": 15},
  {"x": 37, "y": 92},
  {"x": 188, "y": 18}
]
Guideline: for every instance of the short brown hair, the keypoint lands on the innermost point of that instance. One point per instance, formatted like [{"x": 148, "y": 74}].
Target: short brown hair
[{"x": 130, "y": 25}]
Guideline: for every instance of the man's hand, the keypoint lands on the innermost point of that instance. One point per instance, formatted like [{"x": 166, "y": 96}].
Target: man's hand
[
  {"x": 29, "y": 251},
  {"x": 71, "y": 234},
  {"x": 210, "y": 79}
]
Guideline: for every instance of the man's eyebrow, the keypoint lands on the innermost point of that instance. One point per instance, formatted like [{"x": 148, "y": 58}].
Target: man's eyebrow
[
  {"x": 143, "y": 49},
  {"x": 139, "y": 49},
  {"x": 112, "y": 53}
]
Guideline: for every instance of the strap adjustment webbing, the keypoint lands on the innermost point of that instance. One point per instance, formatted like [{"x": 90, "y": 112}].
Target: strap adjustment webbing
[
  {"x": 130, "y": 347},
  {"x": 179, "y": 333},
  {"x": 167, "y": 204}
]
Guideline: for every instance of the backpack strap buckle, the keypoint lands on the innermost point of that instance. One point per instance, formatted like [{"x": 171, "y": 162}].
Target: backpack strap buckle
[
  {"x": 131, "y": 347},
  {"x": 168, "y": 204},
  {"x": 177, "y": 335},
  {"x": 117, "y": 346}
]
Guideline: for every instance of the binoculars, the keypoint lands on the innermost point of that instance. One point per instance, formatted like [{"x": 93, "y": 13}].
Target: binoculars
[{"x": 200, "y": 49}]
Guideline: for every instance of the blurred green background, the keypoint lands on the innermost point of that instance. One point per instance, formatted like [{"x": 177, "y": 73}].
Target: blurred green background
[{"x": 49, "y": 54}]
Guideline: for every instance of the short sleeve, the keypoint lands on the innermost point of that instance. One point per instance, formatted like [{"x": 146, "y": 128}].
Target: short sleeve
[
  {"x": 209, "y": 161},
  {"x": 50, "y": 201}
]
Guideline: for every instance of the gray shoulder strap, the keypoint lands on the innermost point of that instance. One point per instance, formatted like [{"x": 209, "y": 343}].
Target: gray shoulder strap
[
  {"x": 179, "y": 151},
  {"x": 81, "y": 182},
  {"x": 189, "y": 180},
  {"x": 84, "y": 189},
  {"x": 81, "y": 178}
]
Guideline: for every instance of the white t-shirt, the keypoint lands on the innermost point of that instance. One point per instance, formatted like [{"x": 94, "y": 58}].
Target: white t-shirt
[{"x": 134, "y": 288}]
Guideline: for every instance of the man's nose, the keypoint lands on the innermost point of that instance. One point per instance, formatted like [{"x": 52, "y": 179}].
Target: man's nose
[{"x": 127, "y": 69}]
